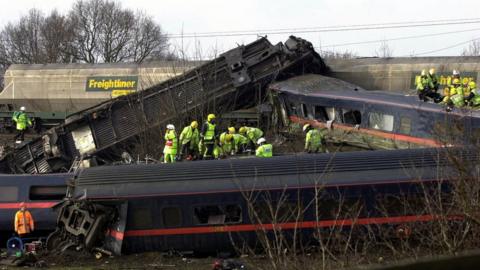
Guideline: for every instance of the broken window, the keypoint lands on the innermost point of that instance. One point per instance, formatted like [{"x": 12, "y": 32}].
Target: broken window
[
  {"x": 405, "y": 125},
  {"x": 55, "y": 193},
  {"x": 307, "y": 111},
  {"x": 321, "y": 114},
  {"x": 381, "y": 121},
  {"x": 8, "y": 194},
  {"x": 172, "y": 216},
  {"x": 215, "y": 214},
  {"x": 330, "y": 113},
  {"x": 352, "y": 117}
]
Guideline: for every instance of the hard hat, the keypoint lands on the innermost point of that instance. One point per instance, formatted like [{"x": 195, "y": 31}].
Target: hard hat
[
  {"x": 456, "y": 81},
  {"x": 228, "y": 137},
  {"x": 455, "y": 72},
  {"x": 231, "y": 130},
  {"x": 170, "y": 126},
  {"x": 242, "y": 130},
  {"x": 194, "y": 124},
  {"x": 305, "y": 127},
  {"x": 210, "y": 116},
  {"x": 431, "y": 71},
  {"x": 472, "y": 84},
  {"x": 423, "y": 73},
  {"x": 261, "y": 140},
  {"x": 22, "y": 108},
  {"x": 23, "y": 204}
]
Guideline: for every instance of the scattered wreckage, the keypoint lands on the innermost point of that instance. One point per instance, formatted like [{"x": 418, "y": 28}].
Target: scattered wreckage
[{"x": 210, "y": 206}]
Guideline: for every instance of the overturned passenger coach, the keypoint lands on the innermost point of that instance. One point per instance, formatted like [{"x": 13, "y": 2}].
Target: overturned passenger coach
[
  {"x": 371, "y": 119},
  {"x": 212, "y": 206}
]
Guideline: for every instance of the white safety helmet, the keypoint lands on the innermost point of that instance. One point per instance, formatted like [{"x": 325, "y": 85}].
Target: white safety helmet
[
  {"x": 261, "y": 140},
  {"x": 170, "y": 126},
  {"x": 22, "y": 108},
  {"x": 455, "y": 72}
]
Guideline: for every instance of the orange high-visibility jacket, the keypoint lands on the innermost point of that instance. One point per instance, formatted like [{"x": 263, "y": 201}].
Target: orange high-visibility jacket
[{"x": 23, "y": 222}]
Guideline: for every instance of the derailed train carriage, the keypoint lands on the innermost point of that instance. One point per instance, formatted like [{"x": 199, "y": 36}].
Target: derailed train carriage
[
  {"x": 371, "y": 119},
  {"x": 210, "y": 206}
]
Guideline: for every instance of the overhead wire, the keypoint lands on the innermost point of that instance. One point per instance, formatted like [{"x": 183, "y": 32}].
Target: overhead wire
[
  {"x": 325, "y": 29},
  {"x": 395, "y": 39}
]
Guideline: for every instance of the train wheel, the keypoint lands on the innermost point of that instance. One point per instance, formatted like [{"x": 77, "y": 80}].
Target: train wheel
[{"x": 54, "y": 240}]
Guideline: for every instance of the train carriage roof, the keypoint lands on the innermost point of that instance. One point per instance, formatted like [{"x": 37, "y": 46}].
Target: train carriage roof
[
  {"x": 293, "y": 171},
  {"x": 321, "y": 87}
]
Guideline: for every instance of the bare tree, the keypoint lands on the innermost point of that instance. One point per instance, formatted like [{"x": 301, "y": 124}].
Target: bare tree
[
  {"x": 473, "y": 49},
  {"x": 57, "y": 35},
  {"x": 87, "y": 19},
  {"x": 22, "y": 42},
  {"x": 148, "y": 40},
  {"x": 115, "y": 32},
  {"x": 384, "y": 51}
]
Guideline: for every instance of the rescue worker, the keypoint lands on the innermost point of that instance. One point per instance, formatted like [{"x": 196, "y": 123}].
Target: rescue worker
[
  {"x": 314, "y": 140},
  {"x": 264, "y": 150},
  {"x": 23, "y": 222},
  {"x": 457, "y": 97},
  {"x": 189, "y": 139},
  {"x": 22, "y": 123},
  {"x": 226, "y": 141},
  {"x": 208, "y": 136},
  {"x": 170, "y": 150},
  {"x": 469, "y": 92},
  {"x": 240, "y": 143},
  {"x": 426, "y": 88},
  {"x": 252, "y": 133},
  {"x": 432, "y": 77},
  {"x": 455, "y": 75},
  {"x": 475, "y": 100}
]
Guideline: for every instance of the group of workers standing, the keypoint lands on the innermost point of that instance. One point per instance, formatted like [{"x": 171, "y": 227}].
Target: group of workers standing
[
  {"x": 210, "y": 143},
  {"x": 456, "y": 93}
]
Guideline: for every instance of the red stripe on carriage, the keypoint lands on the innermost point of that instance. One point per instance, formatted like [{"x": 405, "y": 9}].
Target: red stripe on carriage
[
  {"x": 29, "y": 205},
  {"x": 377, "y": 133},
  {"x": 288, "y": 225}
]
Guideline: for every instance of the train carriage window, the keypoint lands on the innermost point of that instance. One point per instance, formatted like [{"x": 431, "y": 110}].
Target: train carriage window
[
  {"x": 342, "y": 208},
  {"x": 381, "y": 121},
  {"x": 8, "y": 194},
  {"x": 331, "y": 113},
  {"x": 405, "y": 125},
  {"x": 55, "y": 193},
  {"x": 352, "y": 117},
  {"x": 141, "y": 218},
  {"x": 233, "y": 213},
  {"x": 306, "y": 111},
  {"x": 275, "y": 212},
  {"x": 172, "y": 216},
  {"x": 321, "y": 114},
  {"x": 215, "y": 214}
]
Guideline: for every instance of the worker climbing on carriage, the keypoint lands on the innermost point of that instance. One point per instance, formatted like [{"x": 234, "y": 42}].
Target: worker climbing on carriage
[
  {"x": 170, "y": 149},
  {"x": 22, "y": 123}
]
